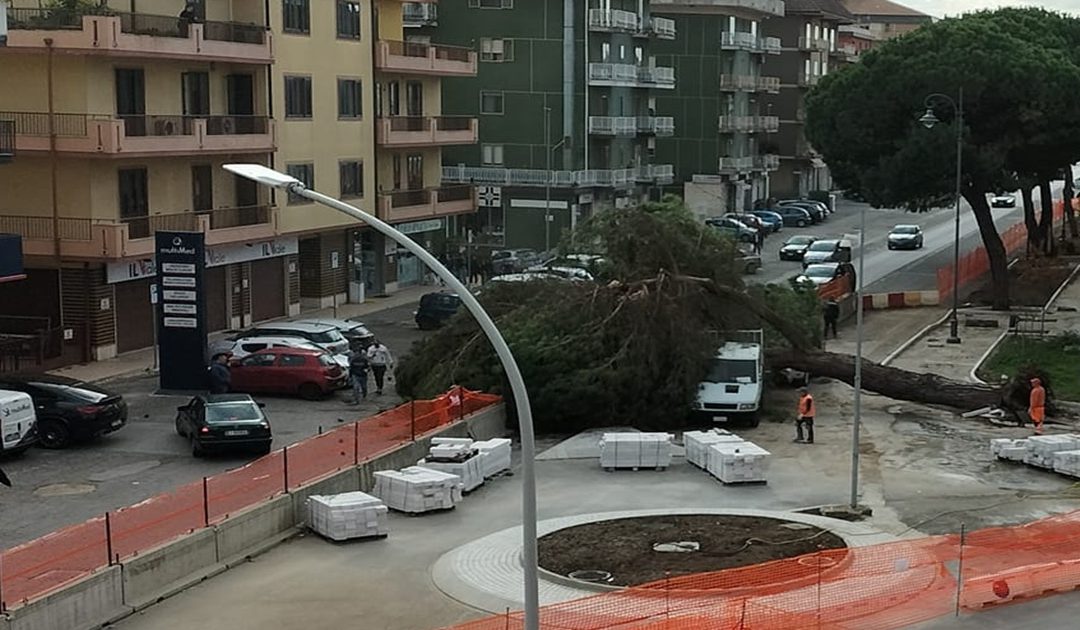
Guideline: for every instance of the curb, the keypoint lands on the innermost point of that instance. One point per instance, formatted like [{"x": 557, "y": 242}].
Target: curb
[{"x": 914, "y": 338}]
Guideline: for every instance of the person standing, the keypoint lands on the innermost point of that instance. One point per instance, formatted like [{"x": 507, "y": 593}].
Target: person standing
[
  {"x": 805, "y": 417},
  {"x": 1037, "y": 405},
  {"x": 220, "y": 376},
  {"x": 759, "y": 239},
  {"x": 358, "y": 374},
  {"x": 380, "y": 359},
  {"x": 832, "y": 314}
]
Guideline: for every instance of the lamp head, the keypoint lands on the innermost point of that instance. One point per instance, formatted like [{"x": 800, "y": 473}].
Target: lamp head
[
  {"x": 263, "y": 175},
  {"x": 928, "y": 119}
]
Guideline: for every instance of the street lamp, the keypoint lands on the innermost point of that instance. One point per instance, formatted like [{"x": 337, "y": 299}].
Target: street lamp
[
  {"x": 269, "y": 177},
  {"x": 928, "y": 120}
]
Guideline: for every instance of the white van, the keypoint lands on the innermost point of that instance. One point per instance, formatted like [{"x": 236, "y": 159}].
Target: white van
[
  {"x": 732, "y": 387},
  {"x": 18, "y": 422}
]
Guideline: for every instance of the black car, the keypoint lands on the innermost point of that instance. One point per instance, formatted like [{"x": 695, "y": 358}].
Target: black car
[
  {"x": 795, "y": 247},
  {"x": 68, "y": 410},
  {"x": 811, "y": 208},
  {"x": 793, "y": 216},
  {"x": 222, "y": 422},
  {"x": 436, "y": 309}
]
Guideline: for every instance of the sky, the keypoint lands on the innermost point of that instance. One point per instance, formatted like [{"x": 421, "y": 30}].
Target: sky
[{"x": 941, "y": 8}]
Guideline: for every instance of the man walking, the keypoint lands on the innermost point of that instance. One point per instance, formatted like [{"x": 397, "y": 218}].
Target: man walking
[
  {"x": 759, "y": 239},
  {"x": 220, "y": 376},
  {"x": 806, "y": 417},
  {"x": 379, "y": 357},
  {"x": 831, "y": 313},
  {"x": 358, "y": 374},
  {"x": 1037, "y": 405}
]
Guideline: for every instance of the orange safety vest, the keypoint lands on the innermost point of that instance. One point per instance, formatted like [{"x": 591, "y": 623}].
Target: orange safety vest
[
  {"x": 1037, "y": 404},
  {"x": 806, "y": 407}
]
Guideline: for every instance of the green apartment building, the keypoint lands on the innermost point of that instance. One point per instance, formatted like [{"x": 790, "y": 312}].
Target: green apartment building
[{"x": 566, "y": 94}]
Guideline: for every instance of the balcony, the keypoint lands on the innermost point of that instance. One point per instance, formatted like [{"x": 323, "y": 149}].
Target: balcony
[
  {"x": 808, "y": 80},
  {"x": 748, "y": 124},
  {"x": 538, "y": 178},
  {"x": 7, "y": 140},
  {"x": 96, "y": 239},
  {"x": 656, "y": 125},
  {"x": 138, "y": 35},
  {"x": 613, "y": 20},
  {"x": 740, "y": 41},
  {"x": 766, "y": 162},
  {"x": 814, "y": 44},
  {"x": 613, "y": 125},
  {"x": 141, "y": 136},
  {"x": 418, "y": 58},
  {"x": 749, "y": 83},
  {"x": 757, "y": 8},
  {"x": 767, "y": 124},
  {"x": 730, "y": 165},
  {"x": 771, "y": 45},
  {"x": 418, "y": 131},
  {"x": 655, "y": 173},
  {"x": 410, "y": 205},
  {"x": 847, "y": 52},
  {"x": 417, "y": 14},
  {"x": 662, "y": 28},
  {"x": 629, "y": 75}
]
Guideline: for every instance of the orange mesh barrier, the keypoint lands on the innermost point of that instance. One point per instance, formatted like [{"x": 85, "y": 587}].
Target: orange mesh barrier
[
  {"x": 321, "y": 455},
  {"x": 245, "y": 486},
  {"x": 157, "y": 520},
  {"x": 40, "y": 566},
  {"x": 384, "y": 431}
]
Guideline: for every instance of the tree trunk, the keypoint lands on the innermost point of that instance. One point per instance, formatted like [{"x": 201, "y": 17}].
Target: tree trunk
[
  {"x": 995, "y": 248},
  {"x": 1046, "y": 219},
  {"x": 1067, "y": 194},
  {"x": 1034, "y": 244}
]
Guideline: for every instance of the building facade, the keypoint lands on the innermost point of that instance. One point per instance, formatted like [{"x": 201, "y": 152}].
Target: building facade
[
  {"x": 566, "y": 95},
  {"x": 722, "y": 147},
  {"x": 809, "y": 36},
  {"x": 885, "y": 19}
]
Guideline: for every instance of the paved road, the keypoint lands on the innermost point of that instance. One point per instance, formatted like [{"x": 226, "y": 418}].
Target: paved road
[{"x": 57, "y": 488}]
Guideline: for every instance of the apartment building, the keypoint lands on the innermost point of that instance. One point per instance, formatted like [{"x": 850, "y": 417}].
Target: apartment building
[
  {"x": 808, "y": 34},
  {"x": 885, "y": 19},
  {"x": 723, "y": 148},
  {"x": 566, "y": 95}
]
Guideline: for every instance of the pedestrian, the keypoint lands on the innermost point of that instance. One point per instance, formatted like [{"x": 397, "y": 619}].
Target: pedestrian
[
  {"x": 831, "y": 313},
  {"x": 759, "y": 240},
  {"x": 380, "y": 359},
  {"x": 358, "y": 374},
  {"x": 806, "y": 417},
  {"x": 1037, "y": 405},
  {"x": 220, "y": 376}
]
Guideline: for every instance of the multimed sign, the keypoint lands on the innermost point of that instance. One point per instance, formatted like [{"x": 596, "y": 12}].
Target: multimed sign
[{"x": 180, "y": 258}]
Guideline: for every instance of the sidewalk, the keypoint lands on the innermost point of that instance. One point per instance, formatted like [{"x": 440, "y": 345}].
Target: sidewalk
[
  {"x": 884, "y": 331},
  {"x": 142, "y": 361}
]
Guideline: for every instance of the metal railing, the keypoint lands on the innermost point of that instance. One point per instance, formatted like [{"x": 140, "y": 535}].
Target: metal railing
[
  {"x": 144, "y": 227},
  {"x": 419, "y": 49},
  {"x": 237, "y": 125},
  {"x": 729, "y": 164},
  {"x": 814, "y": 43},
  {"x": 406, "y": 198},
  {"x": 37, "y": 123},
  {"x": 663, "y": 28},
  {"x": 766, "y": 162},
  {"x": 560, "y": 179},
  {"x": 419, "y": 13},
  {"x": 154, "y": 25},
  {"x": 453, "y": 123},
  {"x": 767, "y": 84},
  {"x": 234, "y": 32},
  {"x": 739, "y": 40},
  {"x": 771, "y": 45},
  {"x": 613, "y": 19},
  {"x": 660, "y": 125},
  {"x": 735, "y": 123},
  {"x": 157, "y": 126},
  {"x": 45, "y": 19},
  {"x": 41, "y": 228},
  {"x": 409, "y": 123},
  {"x": 612, "y": 125},
  {"x": 768, "y": 124},
  {"x": 642, "y": 76},
  {"x": 658, "y": 74},
  {"x": 241, "y": 216},
  {"x": 807, "y": 80},
  {"x": 454, "y": 193},
  {"x": 737, "y": 82},
  {"x": 663, "y": 171}
]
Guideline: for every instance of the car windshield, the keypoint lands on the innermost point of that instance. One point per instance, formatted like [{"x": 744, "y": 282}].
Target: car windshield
[
  {"x": 823, "y": 246},
  {"x": 329, "y": 336},
  {"x": 800, "y": 240},
  {"x": 233, "y": 412},
  {"x": 906, "y": 229},
  {"x": 731, "y": 370},
  {"x": 820, "y": 271}
]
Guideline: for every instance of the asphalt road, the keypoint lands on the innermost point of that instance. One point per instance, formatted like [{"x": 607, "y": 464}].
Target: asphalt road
[{"x": 57, "y": 488}]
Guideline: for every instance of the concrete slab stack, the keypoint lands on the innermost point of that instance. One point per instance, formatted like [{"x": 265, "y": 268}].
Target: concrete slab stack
[
  {"x": 494, "y": 456},
  {"x": 635, "y": 450},
  {"x": 470, "y": 471},
  {"x": 738, "y": 462},
  {"x": 1010, "y": 449},
  {"x": 697, "y": 444},
  {"x": 1067, "y": 463},
  {"x": 347, "y": 515},
  {"x": 416, "y": 490},
  {"x": 1041, "y": 448}
]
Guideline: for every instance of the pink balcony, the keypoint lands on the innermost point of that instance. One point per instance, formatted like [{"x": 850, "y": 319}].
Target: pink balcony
[
  {"x": 413, "y": 205},
  {"x": 414, "y": 131},
  {"x": 104, "y": 239},
  {"x": 142, "y": 136},
  {"x": 418, "y": 58},
  {"x": 139, "y": 35}
]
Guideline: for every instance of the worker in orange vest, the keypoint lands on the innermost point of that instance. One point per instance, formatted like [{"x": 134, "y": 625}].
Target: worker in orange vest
[
  {"x": 1037, "y": 405},
  {"x": 805, "y": 417}
]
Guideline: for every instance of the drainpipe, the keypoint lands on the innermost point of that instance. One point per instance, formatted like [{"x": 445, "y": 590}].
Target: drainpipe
[
  {"x": 585, "y": 81},
  {"x": 52, "y": 151},
  {"x": 568, "y": 83}
]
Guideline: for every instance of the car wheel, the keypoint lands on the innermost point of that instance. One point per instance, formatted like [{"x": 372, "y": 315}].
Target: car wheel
[
  {"x": 752, "y": 421},
  {"x": 891, "y": 246},
  {"x": 800, "y": 223},
  {"x": 310, "y": 391},
  {"x": 196, "y": 449},
  {"x": 264, "y": 450},
  {"x": 53, "y": 434},
  {"x": 179, "y": 429}
]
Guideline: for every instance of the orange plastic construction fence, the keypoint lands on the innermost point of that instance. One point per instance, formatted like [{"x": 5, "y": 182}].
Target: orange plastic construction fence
[
  {"x": 38, "y": 567},
  {"x": 885, "y": 586}
]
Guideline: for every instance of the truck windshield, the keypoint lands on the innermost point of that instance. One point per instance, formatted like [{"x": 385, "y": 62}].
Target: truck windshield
[{"x": 730, "y": 370}]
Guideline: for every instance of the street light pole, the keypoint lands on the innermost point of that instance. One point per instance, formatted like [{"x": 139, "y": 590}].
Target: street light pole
[
  {"x": 929, "y": 120},
  {"x": 269, "y": 177},
  {"x": 856, "y": 423},
  {"x": 547, "y": 180}
]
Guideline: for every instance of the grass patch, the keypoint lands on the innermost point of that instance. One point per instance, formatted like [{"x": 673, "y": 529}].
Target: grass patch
[{"x": 1057, "y": 356}]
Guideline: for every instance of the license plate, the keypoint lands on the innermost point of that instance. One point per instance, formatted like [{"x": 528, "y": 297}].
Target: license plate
[
  {"x": 719, "y": 418},
  {"x": 234, "y": 433},
  {"x": 117, "y": 423}
]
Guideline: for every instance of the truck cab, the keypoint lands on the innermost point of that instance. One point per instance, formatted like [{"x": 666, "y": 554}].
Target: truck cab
[{"x": 732, "y": 386}]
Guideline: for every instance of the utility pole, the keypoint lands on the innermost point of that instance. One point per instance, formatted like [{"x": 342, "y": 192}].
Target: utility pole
[{"x": 547, "y": 180}]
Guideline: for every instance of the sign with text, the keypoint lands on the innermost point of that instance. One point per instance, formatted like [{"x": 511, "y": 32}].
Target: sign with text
[{"x": 181, "y": 309}]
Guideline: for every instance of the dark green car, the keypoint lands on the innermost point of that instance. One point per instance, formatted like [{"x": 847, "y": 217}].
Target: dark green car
[{"x": 436, "y": 309}]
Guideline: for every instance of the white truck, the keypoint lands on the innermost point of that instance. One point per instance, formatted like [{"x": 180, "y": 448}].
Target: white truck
[
  {"x": 732, "y": 387},
  {"x": 18, "y": 422}
]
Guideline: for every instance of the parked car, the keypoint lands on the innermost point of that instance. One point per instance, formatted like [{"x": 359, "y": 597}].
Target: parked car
[
  {"x": 311, "y": 374},
  {"x": 795, "y": 247},
  {"x": 241, "y": 348},
  {"x": 326, "y": 336},
  {"x": 1003, "y": 201},
  {"x": 906, "y": 237},
  {"x": 794, "y": 215},
  {"x": 827, "y": 250},
  {"x": 773, "y": 220},
  {"x": 749, "y": 220},
  {"x": 821, "y": 273},
  {"x": 735, "y": 229},
  {"x": 18, "y": 422},
  {"x": 224, "y": 422},
  {"x": 358, "y": 335},
  {"x": 436, "y": 309},
  {"x": 513, "y": 260},
  {"x": 68, "y": 410},
  {"x": 553, "y": 268},
  {"x": 821, "y": 205},
  {"x": 817, "y": 215}
]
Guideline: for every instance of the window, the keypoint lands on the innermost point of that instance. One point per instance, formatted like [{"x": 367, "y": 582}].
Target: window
[
  {"x": 491, "y": 4},
  {"x": 352, "y": 178},
  {"x": 496, "y": 50},
  {"x": 492, "y": 154},
  {"x": 348, "y": 19},
  {"x": 491, "y": 102},
  {"x": 605, "y": 52},
  {"x": 134, "y": 201},
  {"x": 296, "y": 16},
  {"x": 306, "y": 174},
  {"x": 298, "y": 97},
  {"x": 259, "y": 360},
  {"x": 293, "y": 360},
  {"x": 350, "y": 101}
]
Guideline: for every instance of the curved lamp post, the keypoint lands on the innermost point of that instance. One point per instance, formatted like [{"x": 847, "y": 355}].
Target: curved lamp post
[
  {"x": 929, "y": 119},
  {"x": 269, "y": 177}
]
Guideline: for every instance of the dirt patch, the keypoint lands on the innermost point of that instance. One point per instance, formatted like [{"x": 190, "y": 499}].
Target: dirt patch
[
  {"x": 624, "y": 547},
  {"x": 1031, "y": 282}
]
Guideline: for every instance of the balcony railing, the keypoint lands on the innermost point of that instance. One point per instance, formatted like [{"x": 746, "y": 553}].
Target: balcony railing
[
  {"x": 735, "y": 165},
  {"x": 848, "y": 52},
  {"x": 420, "y": 58},
  {"x": 749, "y": 123},
  {"x": 766, "y": 162},
  {"x": 613, "y": 125},
  {"x": 664, "y": 28},
  {"x": 613, "y": 20},
  {"x": 426, "y": 130},
  {"x": 767, "y": 84},
  {"x": 749, "y": 83},
  {"x": 631, "y": 75},
  {"x": 771, "y": 45},
  {"x": 408, "y": 205},
  {"x": 768, "y": 124},
  {"x": 739, "y": 41},
  {"x": 808, "y": 80},
  {"x": 7, "y": 140},
  {"x": 419, "y": 14},
  {"x": 601, "y": 178},
  {"x": 657, "y": 125},
  {"x": 814, "y": 43}
]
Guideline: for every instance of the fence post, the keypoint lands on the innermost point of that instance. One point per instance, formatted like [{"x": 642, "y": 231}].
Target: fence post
[
  {"x": 817, "y": 561},
  {"x": 3, "y": 604},
  {"x": 108, "y": 538},
  {"x": 356, "y": 444},
  {"x": 412, "y": 421},
  {"x": 320, "y": 429},
  {"x": 285, "y": 466},
  {"x": 960, "y": 571},
  {"x": 205, "y": 502}
]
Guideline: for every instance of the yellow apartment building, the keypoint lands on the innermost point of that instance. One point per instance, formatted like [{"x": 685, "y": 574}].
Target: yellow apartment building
[{"x": 123, "y": 115}]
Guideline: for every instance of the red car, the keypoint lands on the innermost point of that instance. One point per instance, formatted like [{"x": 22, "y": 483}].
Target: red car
[{"x": 312, "y": 374}]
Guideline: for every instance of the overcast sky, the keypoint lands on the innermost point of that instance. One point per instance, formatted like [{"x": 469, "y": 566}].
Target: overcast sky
[{"x": 942, "y": 8}]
